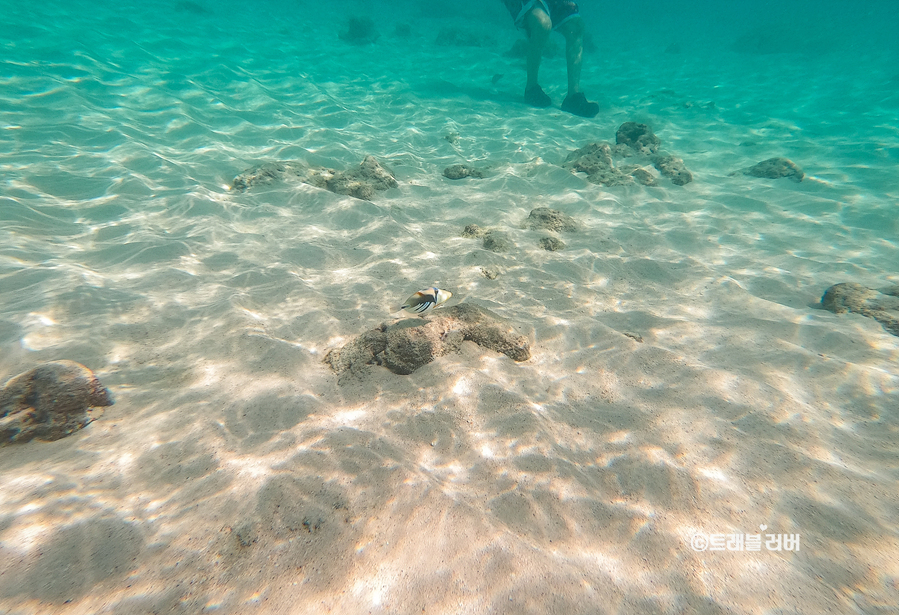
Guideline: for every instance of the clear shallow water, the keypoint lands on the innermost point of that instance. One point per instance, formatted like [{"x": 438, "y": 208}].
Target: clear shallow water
[{"x": 208, "y": 312}]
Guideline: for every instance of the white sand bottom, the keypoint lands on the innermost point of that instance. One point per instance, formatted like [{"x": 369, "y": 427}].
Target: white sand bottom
[{"x": 682, "y": 382}]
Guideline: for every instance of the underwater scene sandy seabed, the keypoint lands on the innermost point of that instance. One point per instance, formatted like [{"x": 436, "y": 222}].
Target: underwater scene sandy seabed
[{"x": 683, "y": 383}]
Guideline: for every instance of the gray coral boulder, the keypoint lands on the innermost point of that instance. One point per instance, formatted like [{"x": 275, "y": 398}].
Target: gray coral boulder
[
  {"x": 49, "y": 402},
  {"x": 407, "y": 345}
]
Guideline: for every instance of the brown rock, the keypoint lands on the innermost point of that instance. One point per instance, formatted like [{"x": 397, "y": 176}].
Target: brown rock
[
  {"x": 49, "y": 402},
  {"x": 405, "y": 346},
  {"x": 851, "y": 297}
]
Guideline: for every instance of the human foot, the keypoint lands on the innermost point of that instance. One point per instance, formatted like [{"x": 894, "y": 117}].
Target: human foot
[
  {"x": 579, "y": 105},
  {"x": 536, "y": 97}
]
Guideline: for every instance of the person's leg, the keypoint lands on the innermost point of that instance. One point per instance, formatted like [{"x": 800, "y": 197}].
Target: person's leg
[
  {"x": 538, "y": 26},
  {"x": 573, "y": 31}
]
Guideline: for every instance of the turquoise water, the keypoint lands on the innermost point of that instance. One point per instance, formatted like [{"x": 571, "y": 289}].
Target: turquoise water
[{"x": 235, "y": 464}]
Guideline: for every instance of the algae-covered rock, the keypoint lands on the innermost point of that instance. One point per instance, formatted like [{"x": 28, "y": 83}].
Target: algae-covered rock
[
  {"x": 638, "y": 137},
  {"x": 362, "y": 182},
  {"x": 774, "y": 168},
  {"x": 461, "y": 171},
  {"x": 405, "y": 346},
  {"x": 497, "y": 241},
  {"x": 551, "y": 220},
  {"x": 551, "y": 244},
  {"x": 673, "y": 168},
  {"x": 595, "y": 159},
  {"x": 49, "y": 402},
  {"x": 851, "y": 297},
  {"x": 473, "y": 231}
]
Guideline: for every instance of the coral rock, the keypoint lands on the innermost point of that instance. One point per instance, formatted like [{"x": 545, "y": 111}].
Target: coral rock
[
  {"x": 643, "y": 177},
  {"x": 551, "y": 244},
  {"x": 362, "y": 182},
  {"x": 850, "y": 297},
  {"x": 49, "y": 402},
  {"x": 674, "y": 169},
  {"x": 638, "y": 137},
  {"x": 595, "y": 159},
  {"x": 265, "y": 173},
  {"x": 551, "y": 220},
  {"x": 461, "y": 171},
  {"x": 473, "y": 231},
  {"x": 775, "y": 168},
  {"x": 409, "y": 344},
  {"x": 497, "y": 241}
]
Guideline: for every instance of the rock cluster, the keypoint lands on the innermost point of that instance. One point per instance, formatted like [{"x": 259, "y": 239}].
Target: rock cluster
[
  {"x": 882, "y": 306},
  {"x": 495, "y": 241},
  {"x": 632, "y": 141},
  {"x": 49, "y": 402},
  {"x": 405, "y": 346},
  {"x": 540, "y": 218},
  {"x": 362, "y": 182}
]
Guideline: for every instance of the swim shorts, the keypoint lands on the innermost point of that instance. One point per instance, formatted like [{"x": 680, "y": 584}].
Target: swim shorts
[{"x": 559, "y": 11}]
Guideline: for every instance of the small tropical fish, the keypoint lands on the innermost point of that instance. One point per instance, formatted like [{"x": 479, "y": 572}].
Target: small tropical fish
[{"x": 425, "y": 300}]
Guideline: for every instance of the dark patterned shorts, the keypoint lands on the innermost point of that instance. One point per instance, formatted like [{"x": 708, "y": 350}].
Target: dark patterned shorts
[{"x": 559, "y": 11}]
